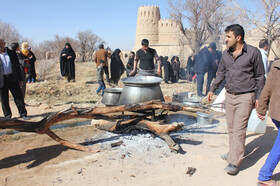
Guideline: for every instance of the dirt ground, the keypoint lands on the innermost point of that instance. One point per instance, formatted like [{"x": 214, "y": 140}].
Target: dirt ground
[{"x": 33, "y": 159}]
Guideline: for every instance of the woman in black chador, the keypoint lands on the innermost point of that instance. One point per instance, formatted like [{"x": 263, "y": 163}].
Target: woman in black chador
[
  {"x": 67, "y": 65},
  {"x": 130, "y": 64},
  {"x": 117, "y": 67},
  {"x": 175, "y": 64}
]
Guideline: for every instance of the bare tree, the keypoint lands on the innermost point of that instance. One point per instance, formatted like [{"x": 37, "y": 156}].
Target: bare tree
[
  {"x": 204, "y": 20},
  {"x": 88, "y": 42},
  {"x": 266, "y": 18},
  {"x": 9, "y": 33},
  {"x": 58, "y": 43}
]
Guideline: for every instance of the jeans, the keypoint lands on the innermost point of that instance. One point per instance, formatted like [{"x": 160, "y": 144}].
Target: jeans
[
  {"x": 106, "y": 71},
  {"x": 101, "y": 87},
  {"x": 210, "y": 76},
  {"x": 199, "y": 82},
  {"x": 272, "y": 159}
]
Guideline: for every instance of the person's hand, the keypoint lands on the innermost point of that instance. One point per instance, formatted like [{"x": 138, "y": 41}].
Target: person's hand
[
  {"x": 132, "y": 72},
  {"x": 30, "y": 57},
  {"x": 69, "y": 57},
  {"x": 262, "y": 117},
  {"x": 209, "y": 96},
  {"x": 21, "y": 84},
  {"x": 63, "y": 54},
  {"x": 159, "y": 72},
  {"x": 256, "y": 103}
]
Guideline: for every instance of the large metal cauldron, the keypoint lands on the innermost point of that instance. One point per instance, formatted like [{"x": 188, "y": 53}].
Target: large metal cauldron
[
  {"x": 111, "y": 96},
  {"x": 140, "y": 89}
]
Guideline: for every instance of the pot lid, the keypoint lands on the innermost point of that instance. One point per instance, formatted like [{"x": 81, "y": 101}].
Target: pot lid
[
  {"x": 141, "y": 80},
  {"x": 192, "y": 99}
]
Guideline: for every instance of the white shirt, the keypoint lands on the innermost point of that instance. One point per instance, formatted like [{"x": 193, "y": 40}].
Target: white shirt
[
  {"x": 6, "y": 63},
  {"x": 265, "y": 60}
]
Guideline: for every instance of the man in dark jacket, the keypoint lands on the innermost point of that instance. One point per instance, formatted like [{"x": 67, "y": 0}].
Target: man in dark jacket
[
  {"x": 10, "y": 79},
  {"x": 201, "y": 66},
  {"x": 213, "y": 66}
]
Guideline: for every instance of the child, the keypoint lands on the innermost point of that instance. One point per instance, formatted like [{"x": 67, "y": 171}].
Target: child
[{"x": 100, "y": 72}]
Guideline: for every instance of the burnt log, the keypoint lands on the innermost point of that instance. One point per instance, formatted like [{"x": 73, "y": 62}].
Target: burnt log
[
  {"x": 43, "y": 126},
  {"x": 162, "y": 130}
]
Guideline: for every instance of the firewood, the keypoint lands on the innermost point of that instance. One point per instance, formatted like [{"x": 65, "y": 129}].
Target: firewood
[
  {"x": 162, "y": 130},
  {"x": 43, "y": 126}
]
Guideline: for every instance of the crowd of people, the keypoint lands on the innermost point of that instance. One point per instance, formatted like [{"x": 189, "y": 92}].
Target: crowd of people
[
  {"x": 242, "y": 69},
  {"x": 17, "y": 68}
]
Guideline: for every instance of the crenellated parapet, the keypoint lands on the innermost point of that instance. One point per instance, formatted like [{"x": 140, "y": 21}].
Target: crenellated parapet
[
  {"x": 167, "y": 25},
  {"x": 163, "y": 34},
  {"x": 150, "y": 26},
  {"x": 147, "y": 24}
]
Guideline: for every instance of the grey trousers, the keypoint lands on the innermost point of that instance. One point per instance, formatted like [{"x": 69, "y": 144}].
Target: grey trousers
[{"x": 238, "y": 110}]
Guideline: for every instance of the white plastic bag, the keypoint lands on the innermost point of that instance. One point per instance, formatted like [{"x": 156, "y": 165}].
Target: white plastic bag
[
  {"x": 220, "y": 100},
  {"x": 255, "y": 124}
]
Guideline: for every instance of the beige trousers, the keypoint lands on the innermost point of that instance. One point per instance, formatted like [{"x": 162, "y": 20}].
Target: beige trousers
[{"x": 238, "y": 110}]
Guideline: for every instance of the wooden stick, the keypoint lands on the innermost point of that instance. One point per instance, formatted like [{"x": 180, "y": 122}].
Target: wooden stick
[{"x": 43, "y": 126}]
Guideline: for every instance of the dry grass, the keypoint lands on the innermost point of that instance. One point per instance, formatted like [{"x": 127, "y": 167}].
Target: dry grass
[
  {"x": 53, "y": 89},
  {"x": 43, "y": 67}
]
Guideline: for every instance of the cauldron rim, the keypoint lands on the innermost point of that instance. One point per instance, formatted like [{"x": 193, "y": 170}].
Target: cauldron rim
[
  {"x": 114, "y": 90},
  {"x": 142, "y": 80}
]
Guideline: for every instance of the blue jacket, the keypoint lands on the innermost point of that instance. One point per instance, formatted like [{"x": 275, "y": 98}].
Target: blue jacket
[{"x": 203, "y": 61}]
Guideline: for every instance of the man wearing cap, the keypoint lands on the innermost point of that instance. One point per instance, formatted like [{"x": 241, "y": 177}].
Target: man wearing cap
[
  {"x": 146, "y": 55},
  {"x": 213, "y": 66},
  {"x": 103, "y": 54},
  {"x": 10, "y": 79},
  {"x": 201, "y": 66}
]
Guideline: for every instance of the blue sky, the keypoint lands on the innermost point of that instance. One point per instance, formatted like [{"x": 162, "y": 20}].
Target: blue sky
[{"x": 113, "y": 21}]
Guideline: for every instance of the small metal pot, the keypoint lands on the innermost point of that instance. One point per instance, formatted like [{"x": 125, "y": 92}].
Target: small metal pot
[
  {"x": 111, "y": 96},
  {"x": 204, "y": 118},
  {"x": 193, "y": 101}
]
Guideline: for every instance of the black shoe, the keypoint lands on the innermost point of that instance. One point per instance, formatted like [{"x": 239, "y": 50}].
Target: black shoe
[{"x": 231, "y": 169}]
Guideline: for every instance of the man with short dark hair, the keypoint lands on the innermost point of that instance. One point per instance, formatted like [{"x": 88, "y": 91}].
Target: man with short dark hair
[
  {"x": 241, "y": 65},
  {"x": 263, "y": 47},
  {"x": 201, "y": 66},
  {"x": 103, "y": 54},
  {"x": 213, "y": 66},
  {"x": 10, "y": 80},
  {"x": 146, "y": 55}
]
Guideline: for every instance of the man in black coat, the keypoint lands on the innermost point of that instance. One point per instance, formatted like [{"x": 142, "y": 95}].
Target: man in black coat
[
  {"x": 213, "y": 66},
  {"x": 204, "y": 59},
  {"x": 10, "y": 79}
]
